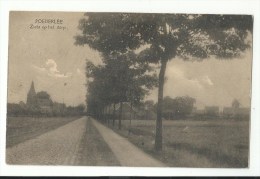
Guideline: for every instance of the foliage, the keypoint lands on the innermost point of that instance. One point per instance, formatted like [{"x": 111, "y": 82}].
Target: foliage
[
  {"x": 149, "y": 104},
  {"x": 57, "y": 109},
  {"x": 43, "y": 95},
  {"x": 75, "y": 111},
  {"x": 178, "y": 107},
  {"x": 166, "y": 36},
  {"x": 120, "y": 79},
  {"x": 15, "y": 109}
]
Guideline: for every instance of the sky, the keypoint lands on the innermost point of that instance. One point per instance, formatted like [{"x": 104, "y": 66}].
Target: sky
[{"x": 50, "y": 59}]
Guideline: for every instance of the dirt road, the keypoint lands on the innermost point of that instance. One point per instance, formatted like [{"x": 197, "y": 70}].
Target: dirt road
[{"x": 81, "y": 142}]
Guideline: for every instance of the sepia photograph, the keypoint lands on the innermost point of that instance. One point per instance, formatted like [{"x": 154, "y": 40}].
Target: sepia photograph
[{"x": 129, "y": 89}]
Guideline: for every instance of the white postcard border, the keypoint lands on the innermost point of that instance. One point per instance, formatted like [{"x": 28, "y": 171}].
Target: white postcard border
[{"x": 251, "y": 7}]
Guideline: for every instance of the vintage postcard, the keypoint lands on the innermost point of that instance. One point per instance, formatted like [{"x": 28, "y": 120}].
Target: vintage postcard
[{"x": 129, "y": 89}]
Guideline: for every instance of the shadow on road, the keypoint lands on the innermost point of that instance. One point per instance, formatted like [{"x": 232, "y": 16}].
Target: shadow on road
[{"x": 93, "y": 149}]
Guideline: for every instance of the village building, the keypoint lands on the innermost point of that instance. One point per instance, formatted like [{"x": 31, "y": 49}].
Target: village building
[
  {"x": 31, "y": 96},
  {"x": 212, "y": 111},
  {"x": 197, "y": 112},
  {"x": 39, "y": 100},
  {"x": 228, "y": 112},
  {"x": 129, "y": 112},
  {"x": 231, "y": 112}
]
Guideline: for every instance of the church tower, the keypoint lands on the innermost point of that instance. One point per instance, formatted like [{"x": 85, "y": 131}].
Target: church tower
[{"x": 31, "y": 96}]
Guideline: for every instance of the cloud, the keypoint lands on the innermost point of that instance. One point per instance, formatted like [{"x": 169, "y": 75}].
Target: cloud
[
  {"x": 51, "y": 69},
  {"x": 79, "y": 72},
  {"x": 39, "y": 69},
  {"x": 179, "y": 76},
  {"x": 52, "y": 66},
  {"x": 207, "y": 80},
  {"x": 201, "y": 81},
  {"x": 195, "y": 83}
]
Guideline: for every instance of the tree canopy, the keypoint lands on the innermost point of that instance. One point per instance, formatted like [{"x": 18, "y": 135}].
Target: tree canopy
[
  {"x": 161, "y": 37},
  {"x": 119, "y": 79},
  {"x": 168, "y": 35},
  {"x": 180, "y": 106},
  {"x": 43, "y": 95}
]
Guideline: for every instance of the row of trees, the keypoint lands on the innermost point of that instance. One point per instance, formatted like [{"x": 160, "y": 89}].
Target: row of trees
[
  {"x": 160, "y": 38},
  {"x": 178, "y": 107},
  {"x": 120, "y": 79},
  {"x": 56, "y": 109},
  {"x": 173, "y": 108}
]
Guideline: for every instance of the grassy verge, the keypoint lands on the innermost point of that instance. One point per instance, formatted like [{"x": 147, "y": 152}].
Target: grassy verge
[
  {"x": 20, "y": 129},
  {"x": 94, "y": 151},
  {"x": 190, "y": 143}
]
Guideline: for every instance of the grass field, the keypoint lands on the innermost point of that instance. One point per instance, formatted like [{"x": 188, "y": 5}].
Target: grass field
[
  {"x": 186, "y": 143},
  {"x": 194, "y": 143},
  {"x": 20, "y": 129}
]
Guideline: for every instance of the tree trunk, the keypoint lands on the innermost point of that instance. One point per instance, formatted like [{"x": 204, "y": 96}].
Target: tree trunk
[
  {"x": 105, "y": 114},
  {"x": 114, "y": 113},
  {"x": 98, "y": 113},
  {"x": 120, "y": 117},
  {"x": 158, "y": 135},
  {"x": 131, "y": 114},
  {"x": 108, "y": 115},
  {"x": 101, "y": 114}
]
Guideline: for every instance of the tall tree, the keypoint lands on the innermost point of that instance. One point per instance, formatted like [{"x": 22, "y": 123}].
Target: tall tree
[
  {"x": 97, "y": 96},
  {"x": 120, "y": 79},
  {"x": 162, "y": 37}
]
